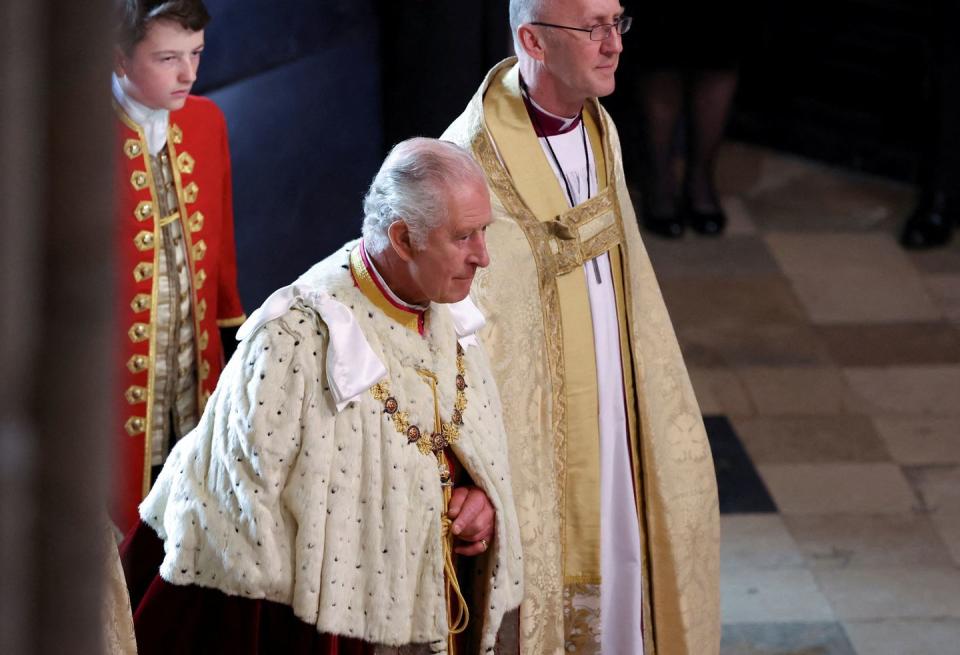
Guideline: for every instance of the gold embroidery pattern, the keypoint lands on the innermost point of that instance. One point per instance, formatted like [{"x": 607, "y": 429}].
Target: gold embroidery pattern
[
  {"x": 185, "y": 163},
  {"x": 581, "y": 618},
  {"x": 196, "y": 222},
  {"x": 535, "y": 231},
  {"x": 190, "y": 192}
]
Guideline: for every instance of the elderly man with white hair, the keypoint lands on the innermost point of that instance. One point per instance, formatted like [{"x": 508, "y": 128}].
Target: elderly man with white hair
[
  {"x": 613, "y": 475},
  {"x": 352, "y": 450}
]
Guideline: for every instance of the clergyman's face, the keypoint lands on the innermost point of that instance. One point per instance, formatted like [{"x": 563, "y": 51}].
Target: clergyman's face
[
  {"x": 581, "y": 68},
  {"x": 162, "y": 68},
  {"x": 446, "y": 264}
]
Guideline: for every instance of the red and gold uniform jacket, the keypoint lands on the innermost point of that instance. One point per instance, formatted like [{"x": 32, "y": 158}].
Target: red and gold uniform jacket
[{"x": 198, "y": 150}]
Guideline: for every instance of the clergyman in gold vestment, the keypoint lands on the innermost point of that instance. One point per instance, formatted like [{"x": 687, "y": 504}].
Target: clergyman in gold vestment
[{"x": 613, "y": 476}]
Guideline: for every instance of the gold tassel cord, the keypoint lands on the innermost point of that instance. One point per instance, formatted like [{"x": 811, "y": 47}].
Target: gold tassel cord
[{"x": 452, "y": 586}]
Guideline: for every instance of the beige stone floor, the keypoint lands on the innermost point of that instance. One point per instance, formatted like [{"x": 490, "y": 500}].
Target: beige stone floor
[{"x": 835, "y": 355}]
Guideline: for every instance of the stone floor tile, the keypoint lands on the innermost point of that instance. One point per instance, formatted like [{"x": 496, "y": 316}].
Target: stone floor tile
[
  {"x": 938, "y": 260},
  {"x": 739, "y": 221},
  {"x": 785, "y": 639},
  {"x": 810, "y": 439},
  {"x": 947, "y": 524},
  {"x": 757, "y": 542},
  {"x": 895, "y": 637},
  {"x": 754, "y": 344},
  {"x": 764, "y": 596},
  {"x": 729, "y": 255},
  {"x": 920, "y": 440},
  {"x": 892, "y": 593},
  {"x": 780, "y": 391},
  {"x": 868, "y": 541},
  {"x": 914, "y": 390},
  {"x": 853, "y": 278},
  {"x": 731, "y": 301},
  {"x": 945, "y": 291},
  {"x": 720, "y": 391},
  {"x": 838, "y": 488},
  {"x": 894, "y": 344},
  {"x": 739, "y": 167},
  {"x": 739, "y": 485},
  {"x": 937, "y": 485},
  {"x": 809, "y": 197}
]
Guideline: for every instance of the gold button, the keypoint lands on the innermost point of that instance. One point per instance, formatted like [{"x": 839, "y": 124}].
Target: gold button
[
  {"x": 138, "y": 180},
  {"x": 204, "y": 340},
  {"x": 143, "y": 271},
  {"x": 140, "y": 302},
  {"x": 143, "y": 241},
  {"x": 138, "y": 332},
  {"x": 143, "y": 211},
  {"x": 131, "y": 148},
  {"x": 201, "y": 309},
  {"x": 204, "y": 370},
  {"x": 135, "y": 425},
  {"x": 200, "y": 278},
  {"x": 138, "y": 363},
  {"x": 135, "y": 394},
  {"x": 176, "y": 134}
]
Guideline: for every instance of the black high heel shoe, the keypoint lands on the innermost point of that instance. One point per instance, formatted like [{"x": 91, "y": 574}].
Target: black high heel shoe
[
  {"x": 706, "y": 223},
  {"x": 669, "y": 227},
  {"x": 930, "y": 225}
]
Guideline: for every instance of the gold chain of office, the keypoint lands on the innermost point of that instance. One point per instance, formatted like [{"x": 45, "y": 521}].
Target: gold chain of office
[{"x": 449, "y": 432}]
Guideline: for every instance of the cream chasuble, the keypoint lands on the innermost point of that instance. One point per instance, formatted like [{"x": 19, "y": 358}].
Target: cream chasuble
[
  {"x": 621, "y": 580},
  {"x": 542, "y": 312}
]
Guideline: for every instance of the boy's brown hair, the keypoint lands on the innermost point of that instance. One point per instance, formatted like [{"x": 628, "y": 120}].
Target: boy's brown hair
[{"x": 134, "y": 16}]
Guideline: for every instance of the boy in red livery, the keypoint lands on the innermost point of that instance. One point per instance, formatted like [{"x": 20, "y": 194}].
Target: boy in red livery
[{"x": 179, "y": 304}]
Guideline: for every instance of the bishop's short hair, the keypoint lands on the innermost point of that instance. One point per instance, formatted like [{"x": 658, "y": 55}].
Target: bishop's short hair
[{"x": 523, "y": 11}]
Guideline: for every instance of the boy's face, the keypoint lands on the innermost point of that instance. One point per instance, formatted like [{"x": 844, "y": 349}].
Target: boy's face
[{"x": 163, "y": 66}]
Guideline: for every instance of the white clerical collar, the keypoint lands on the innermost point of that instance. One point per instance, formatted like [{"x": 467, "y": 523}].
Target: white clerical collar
[{"x": 153, "y": 122}]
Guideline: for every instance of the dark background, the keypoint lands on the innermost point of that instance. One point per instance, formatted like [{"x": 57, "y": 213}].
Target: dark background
[{"x": 316, "y": 92}]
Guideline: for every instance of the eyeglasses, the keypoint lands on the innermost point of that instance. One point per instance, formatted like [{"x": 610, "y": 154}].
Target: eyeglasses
[{"x": 600, "y": 32}]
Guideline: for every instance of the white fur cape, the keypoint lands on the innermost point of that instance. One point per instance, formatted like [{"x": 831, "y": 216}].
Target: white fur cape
[{"x": 277, "y": 494}]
